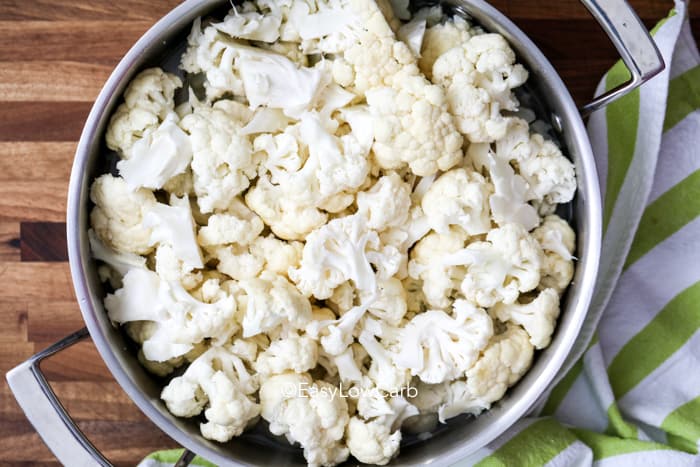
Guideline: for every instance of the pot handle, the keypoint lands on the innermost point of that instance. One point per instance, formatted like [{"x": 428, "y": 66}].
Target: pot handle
[
  {"x": 631, "y": 38},
  {"x": 48, "y": 416}
]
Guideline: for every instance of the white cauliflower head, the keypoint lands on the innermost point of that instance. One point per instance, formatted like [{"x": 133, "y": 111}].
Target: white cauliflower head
[
  {"x": 558, "y": 242},
  {"x": 459, "y": 197},
  {"x": 270, "y": 301},
  {"x": 440, "y": 38},
  {"x": 439, "y": 280},
  {"x": 148, "y": 101},
  {"x": 293, "y": 352},
  {"x": 386, "y": 204},
  {"x": 307, "y": 412},
  {"x": 239, "y": 225},
  {"x": 500, "y": 268},
  {"x": 437, "y": 347},
  {"x": 551, "y": 176},
  {"x": 220, "y": 381},
  {"x": 537, "y": 317},
  {"x": 222, "y": 162},
  {"x": 118, "y": 215}
]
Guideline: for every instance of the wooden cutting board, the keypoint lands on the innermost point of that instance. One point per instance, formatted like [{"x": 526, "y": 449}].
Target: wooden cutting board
[{"x": 54, "y": 57}]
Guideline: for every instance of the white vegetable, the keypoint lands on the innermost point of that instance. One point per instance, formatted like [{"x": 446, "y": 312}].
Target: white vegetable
[
  {"x": 437, "y": 347},
  {"x": 558, "y": 242},
  {"x": 307, "y": 412},
  {"x": 182, "y": 321},
  {"x": 218, "y": 380},
  {"x": 412, "y": 34},
  {"x": 537, "y": 317}
]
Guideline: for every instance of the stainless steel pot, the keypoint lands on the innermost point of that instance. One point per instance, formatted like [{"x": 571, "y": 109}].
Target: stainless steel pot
[{"x": 162, "y": 45}]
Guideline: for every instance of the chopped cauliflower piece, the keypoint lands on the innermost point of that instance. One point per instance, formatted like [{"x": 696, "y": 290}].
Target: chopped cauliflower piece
[
  {"x": 118, "y": 215},
  {"x": 459, "y": 197},
  {"x": 181, "y": 320},
  {"x": 307, "y": 412},
  {"x": 148, "y": 101},
  {"x": 241, "y": 226},
  {"x": 386, "y": 204},
  {"x": 437, "y": 347},
  {"x": 558, "y": 242},
  {"x": 440, "y": 38},
  {"x": 537, "y": 317},
  {"x": 219, "y": 381},
  {"x": 222, "y": 162},
  {"x": 376, "y": 441},
  {"x": 294, "y": 353},
  {"x": 550, "y": 175}
]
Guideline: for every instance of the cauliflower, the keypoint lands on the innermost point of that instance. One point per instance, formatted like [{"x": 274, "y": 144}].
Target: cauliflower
[
  {"x": 307, "y": 412},
  {"x": 437, "y": 347},
  {"x": 181, "y": 320},
  {"x": 271, "y": 300},
  {"x": 377, "y": 440},
  {"x": 440, "y": 38},
  {"x": 504, "y": 361},
  {"x": 173, "y": 225},
  {"x": 148, "y": 101},
  {"x": 537, "y": 317},
  {"x": 383, "y": 373},
  {"x": 294, "y": 352},
  {"x": 386, "y": 204},
  {"x": 459, "y": 197},
  {"x": 218, "y": 380},
  {"x": 338, "y": 214},
  {"x": 478, "y": 77},
  {"x": 222, "y": 163},
  {"x": 241, "y": 226},
  {"x": 558, "y": 242},
  {"x": 342, "y": 250},
  {"x": 118, "y": 215},
  {"x": 497, "y": 270},
  {"x": 550, "y": 175},
  {"x": 412, "y": 126},
  {"x": 439, "y": 280},
  {"x": 509, "y": 201}
]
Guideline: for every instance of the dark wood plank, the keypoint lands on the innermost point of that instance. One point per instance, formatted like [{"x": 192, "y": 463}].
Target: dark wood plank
[
  {"x": 42, "y": 121},
  {"x": 43, "y": 241},
  {"x": 9, "y": 241}
]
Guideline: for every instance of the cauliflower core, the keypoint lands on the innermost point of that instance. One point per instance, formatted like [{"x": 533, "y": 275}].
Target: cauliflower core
[{"x": 340, "y": 211}]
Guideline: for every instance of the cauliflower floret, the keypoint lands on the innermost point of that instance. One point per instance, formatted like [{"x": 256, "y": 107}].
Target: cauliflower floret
[
  {"x": 478, "y": 77},
  {"x": 537, "y": 317},
  {"x": 383, "y": 373},
  {"x": 498, "y": 269},
  {"x": 342, "y": 250},
  {"x": 551, "y": 176},
  {"x": 412, "y": 34},
  {"x": 437, "y": 347},
  {"x": 222, "y": 161},
  {"x": 294, "y": 352},
  {"x": 173, "y": 225},
  {"x": 439, "y": 39},
  {"x": 386, "y": 204},
  {"x": 390, "y": 304},
  {"x": 148, "y": 100},
  {"x": 237, "y": 262},
  {"x": 172, "y": 269},
  {"x": 377, "y": 440},
  {"x": 219, "y": 380},
  {"x": 459, "y": 197},
  {"x": 117, "y": 263},
  {"x": 558, "y": 241},
  {"x": 279, "y": 256},
  {"x": 307, "y": 412},
  {"x": 118, "y": 215},
  {"x": 240, "y": 225},
  {"x": 505, "y": 360},
  {"x": 181, "y": 320},
  {"x": 412, "y": 126},
  {"x": 271, "y": 300},
  {"x": 439, "y": 280}
]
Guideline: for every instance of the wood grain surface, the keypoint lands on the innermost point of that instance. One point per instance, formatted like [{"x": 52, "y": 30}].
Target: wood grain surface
[{"x": 54, "y": 57}]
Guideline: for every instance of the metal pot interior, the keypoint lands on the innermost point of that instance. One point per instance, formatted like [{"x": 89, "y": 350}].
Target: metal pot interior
[{"x": 163, "y": 46}]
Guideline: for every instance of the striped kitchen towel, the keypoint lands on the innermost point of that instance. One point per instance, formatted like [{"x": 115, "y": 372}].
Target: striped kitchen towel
[
  {"x": 632, "y": 393},
  {"x": 633, "y": 396}
]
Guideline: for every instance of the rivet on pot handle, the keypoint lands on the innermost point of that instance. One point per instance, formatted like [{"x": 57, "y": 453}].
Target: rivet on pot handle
[
  {"x": 48, "y": 416},
  {"x": 631, "y": 38}
]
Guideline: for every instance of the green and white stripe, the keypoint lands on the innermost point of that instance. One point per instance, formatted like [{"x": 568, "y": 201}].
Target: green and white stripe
[{"x": 633, "y": 398}]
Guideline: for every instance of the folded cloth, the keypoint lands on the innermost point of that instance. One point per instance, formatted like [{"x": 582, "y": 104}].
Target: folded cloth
[{"x": 632, "y": 393}]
